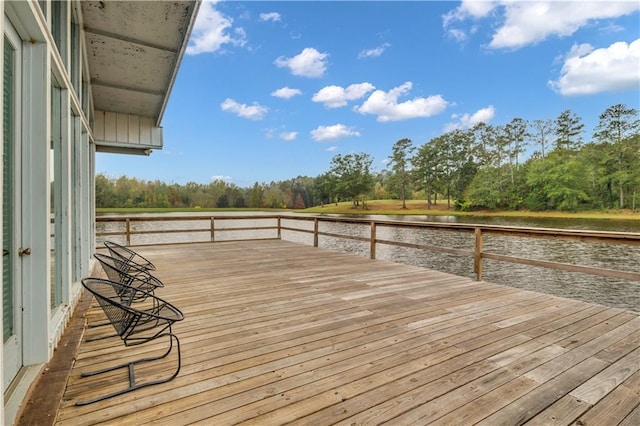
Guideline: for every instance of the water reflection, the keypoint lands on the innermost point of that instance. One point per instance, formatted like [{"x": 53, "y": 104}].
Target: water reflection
[{"x": 560, "y": 223}]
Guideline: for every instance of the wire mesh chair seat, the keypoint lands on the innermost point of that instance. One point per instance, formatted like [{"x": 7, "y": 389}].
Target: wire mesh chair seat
[
  {"x": 135, "y": 326},
  {"x": 128, "y": 274},
  {"x": 129, "y": 256}
]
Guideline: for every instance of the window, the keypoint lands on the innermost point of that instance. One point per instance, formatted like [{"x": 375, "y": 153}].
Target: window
[
  {"x": 78, "y": 183},
  {"x": 59, "y": 27},
  {"x": 7, "y": 192},
  {"x": 75, "y": 58},
  {"x": 55, "y": 180}
]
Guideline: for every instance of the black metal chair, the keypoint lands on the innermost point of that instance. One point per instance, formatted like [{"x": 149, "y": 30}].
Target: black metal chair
[
  {"x": 127, "y": 273},
  {"x": 129, "y": 256},
  {"x": 134, "y": 326}
]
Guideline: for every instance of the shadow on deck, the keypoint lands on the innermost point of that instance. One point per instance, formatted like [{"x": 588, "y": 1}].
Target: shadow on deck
[{"x": 277, "y": 332}]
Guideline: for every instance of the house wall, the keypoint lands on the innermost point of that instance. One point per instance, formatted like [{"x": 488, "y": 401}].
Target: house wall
[{"x": 53, "y": 186}]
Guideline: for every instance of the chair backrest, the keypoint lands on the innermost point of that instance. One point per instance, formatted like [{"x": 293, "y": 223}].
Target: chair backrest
[
  {"x": 129, "y": 256},
  {"x": 115, "y": 299},
  {"x": 127, "y": 274},
  {"x": 115, "y": 268}
]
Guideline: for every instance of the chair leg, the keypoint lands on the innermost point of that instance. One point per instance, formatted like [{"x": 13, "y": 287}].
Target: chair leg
[{"x": 132, "y": 379}]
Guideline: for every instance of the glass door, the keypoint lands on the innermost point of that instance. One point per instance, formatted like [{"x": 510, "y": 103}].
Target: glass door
[{"x": 11, "y": 205}]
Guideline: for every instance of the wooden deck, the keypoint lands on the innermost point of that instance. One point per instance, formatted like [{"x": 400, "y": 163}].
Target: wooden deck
[{"x": 277, "y": 332}]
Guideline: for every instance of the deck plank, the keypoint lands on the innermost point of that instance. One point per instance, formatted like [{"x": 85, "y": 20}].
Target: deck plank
[{"x": 279, "y": 332}]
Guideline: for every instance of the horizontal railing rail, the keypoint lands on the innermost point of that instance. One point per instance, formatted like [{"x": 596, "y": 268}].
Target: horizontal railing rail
[{"x": 275, "y": 224}]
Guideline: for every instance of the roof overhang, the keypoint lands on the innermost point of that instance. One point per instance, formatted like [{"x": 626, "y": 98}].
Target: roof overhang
[{"x": 134, "y": 51}]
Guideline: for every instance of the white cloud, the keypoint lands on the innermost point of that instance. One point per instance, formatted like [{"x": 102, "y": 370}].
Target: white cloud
[
  {"x": 469, "y": 8},
  {"x": 252, "y": 112},
  {"x": 309, "y": 63},
  {"x": 467, "y": 121},
  {"x": 385, "y": 105},
  {"x": 286, "y": 93},
  {"x": 288, "y": 136},
  {"x": 587, "y": 70},
  {"x": 212, "y": 30},
  {"x": 331, "y": 133},
  {"x": 222, "y": 178},
  {"x": 332, "y": 148},
  {"x": 532, "y": 22},
  {"x": 529, "y": 22},
  {"x": 336, "y": 96},
  {"x": 369, "y": 53},
  {"x": 271, "y": 16}
]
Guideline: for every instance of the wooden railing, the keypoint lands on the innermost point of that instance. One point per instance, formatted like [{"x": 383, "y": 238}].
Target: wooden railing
[{"x": 215, "y": 227}]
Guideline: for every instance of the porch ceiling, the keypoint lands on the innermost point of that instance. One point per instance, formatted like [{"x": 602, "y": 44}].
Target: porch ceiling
[{"x": 134, "y": 51}]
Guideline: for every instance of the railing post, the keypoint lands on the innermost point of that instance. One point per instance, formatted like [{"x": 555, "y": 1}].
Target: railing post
[
  {"x": 128, "y": 230},
  {"x": 315, "y": 232},
  {"x": 213, "y": 230},
  {"x": 372, "y": 249},
  {"x": 477, "y": 254},
  {"x": 279, "y": 228}
]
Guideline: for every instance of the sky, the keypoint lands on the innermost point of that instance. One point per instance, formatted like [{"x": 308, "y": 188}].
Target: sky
[{"x": 268, "y": 91}]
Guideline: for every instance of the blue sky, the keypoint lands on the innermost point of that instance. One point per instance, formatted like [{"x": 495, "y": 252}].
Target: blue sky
[{"x": 269, "y": 91}]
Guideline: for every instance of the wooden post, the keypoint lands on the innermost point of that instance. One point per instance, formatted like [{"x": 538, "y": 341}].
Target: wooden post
[
  {"x": 372, "y": 249},
  {"x": 315, "y": 232},
  {"x": 279, "y": 228},
  {"x": 477, "y": 254},
  {"x": 213, "y": 230},
  {"x": 128, "y": 230}
]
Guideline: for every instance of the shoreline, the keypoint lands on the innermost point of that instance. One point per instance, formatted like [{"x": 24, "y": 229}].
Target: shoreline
[{"x": 393, "y": 207}]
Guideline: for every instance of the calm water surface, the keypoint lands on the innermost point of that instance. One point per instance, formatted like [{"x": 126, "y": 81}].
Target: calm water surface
[{"x": 606, "y": 291}]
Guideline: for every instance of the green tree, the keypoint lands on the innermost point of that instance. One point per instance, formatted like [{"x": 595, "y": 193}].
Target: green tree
[
  {"x": 273, "y": 196},
  {"x": 486, "y": 190},
  {"x": 426, "y": 170},
  {"x": 104, "y": 191},
  {"x": 223, "y": 201},
  {"x": 400, "y": 163},
  {"x": 485, "y": 141},
  {"x": 256, "y": 196},
  {"x": 324, "y": 188},
  {"x": 455, "y": 164},
  {"x": 568, "y": 131},
  {"x": 561, "y": 183},
  {"x": 353, "y": 176},
  {"x": 516, "y": 134},
  {"x": 543, "y": 129},
  {"x": 616, "y": 127}
]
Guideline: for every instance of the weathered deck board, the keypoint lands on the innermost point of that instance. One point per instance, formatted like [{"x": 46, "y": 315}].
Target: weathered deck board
[{"x": 277, "y": 332}]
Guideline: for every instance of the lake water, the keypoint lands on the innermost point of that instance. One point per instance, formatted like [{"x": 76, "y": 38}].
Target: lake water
[{"x": 607, "y": 291}]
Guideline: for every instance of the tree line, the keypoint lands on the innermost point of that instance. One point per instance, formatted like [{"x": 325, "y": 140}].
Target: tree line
[{"x": 480, "y": 168}]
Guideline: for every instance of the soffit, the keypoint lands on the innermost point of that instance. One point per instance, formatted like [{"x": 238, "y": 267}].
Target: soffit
[{"x": 134, "y": 50}]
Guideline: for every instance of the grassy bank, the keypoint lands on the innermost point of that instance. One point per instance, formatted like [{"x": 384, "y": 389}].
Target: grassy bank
[
  {"x": 418, "y": 208},
  {"x": 394, "y": 207},
  {"x": 107, "y": 210}
]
